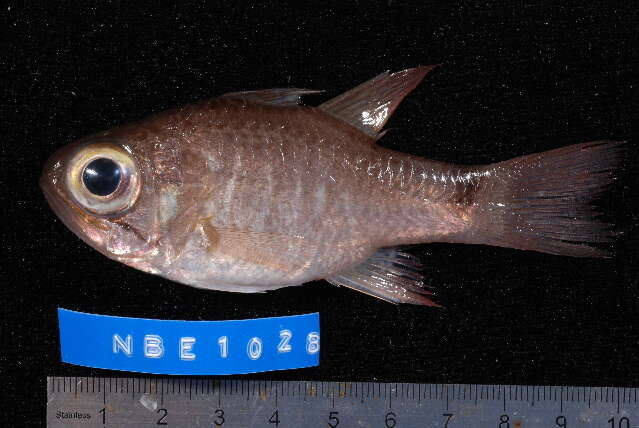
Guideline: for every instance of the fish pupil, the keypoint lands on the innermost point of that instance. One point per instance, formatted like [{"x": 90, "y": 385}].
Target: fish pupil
[{"x": 102, "y": 176}]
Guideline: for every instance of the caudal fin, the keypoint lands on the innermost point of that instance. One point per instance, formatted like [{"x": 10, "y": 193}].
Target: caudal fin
[{"x": 544, "y": 202}]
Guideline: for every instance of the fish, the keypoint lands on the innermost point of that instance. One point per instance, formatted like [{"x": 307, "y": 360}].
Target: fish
[{"x": 253, "y": 191}]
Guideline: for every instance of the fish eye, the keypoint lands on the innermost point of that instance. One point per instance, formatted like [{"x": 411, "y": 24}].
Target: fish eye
[{"x": 103, "y": 178}]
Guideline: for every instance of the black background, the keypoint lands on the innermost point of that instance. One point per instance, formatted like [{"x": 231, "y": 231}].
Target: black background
[{"x": 514, "y": 79}]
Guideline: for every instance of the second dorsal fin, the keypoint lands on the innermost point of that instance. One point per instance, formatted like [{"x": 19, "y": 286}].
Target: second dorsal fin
[{"x": 369, "y": 105}]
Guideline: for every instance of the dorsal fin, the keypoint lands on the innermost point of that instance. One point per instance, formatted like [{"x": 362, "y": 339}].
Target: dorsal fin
[
  {"x": 275, "y": 96},
  {"x": 369, "y": 105}
]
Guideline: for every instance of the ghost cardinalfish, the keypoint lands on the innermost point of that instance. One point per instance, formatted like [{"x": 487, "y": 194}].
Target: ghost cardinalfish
[{"x": 251, "y": 191}]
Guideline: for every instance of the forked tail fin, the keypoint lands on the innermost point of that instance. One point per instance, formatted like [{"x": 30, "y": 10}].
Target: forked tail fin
[{"x": 544, "y": 201}]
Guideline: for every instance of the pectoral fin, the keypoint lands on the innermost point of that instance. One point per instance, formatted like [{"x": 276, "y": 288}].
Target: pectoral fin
[
  {"x": 271, "y": 250},
  {"x": 391, "y": 275}
]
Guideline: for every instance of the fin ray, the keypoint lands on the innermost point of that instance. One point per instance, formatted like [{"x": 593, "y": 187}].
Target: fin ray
[
  {"x": 391, "y": 275},
  {"x": 275, "y": 96},
  {"x": 546, "y": 200},
  {"x": 369, "y": 105}
]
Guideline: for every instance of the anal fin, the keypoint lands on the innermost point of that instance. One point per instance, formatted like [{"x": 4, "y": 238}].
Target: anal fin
[{"x": 391, "y": 275}]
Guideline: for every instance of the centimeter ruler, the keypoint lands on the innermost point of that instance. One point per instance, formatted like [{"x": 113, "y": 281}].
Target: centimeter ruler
[{"x": 185, "y": 402}]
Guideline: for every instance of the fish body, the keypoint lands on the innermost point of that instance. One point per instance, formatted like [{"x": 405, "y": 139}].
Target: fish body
[{"x": 251, "y": 191}]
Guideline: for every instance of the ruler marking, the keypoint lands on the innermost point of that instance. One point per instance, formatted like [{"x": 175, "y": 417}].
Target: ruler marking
[
  {"x": 504, "y": 397},
  {"x": 333, "y": 396},
  {"x": 83, "y": 393},
  {"x": 446, "y": 397},
  {"x": 618, "y": 403},
  {"x": 533, "y": 397}
]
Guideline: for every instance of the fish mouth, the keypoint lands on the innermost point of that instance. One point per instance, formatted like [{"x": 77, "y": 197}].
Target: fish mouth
[{"x": 90, "y": 229}]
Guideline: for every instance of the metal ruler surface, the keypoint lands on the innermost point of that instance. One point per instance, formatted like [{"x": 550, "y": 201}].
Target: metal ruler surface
[{"x": 186, "y": 402}]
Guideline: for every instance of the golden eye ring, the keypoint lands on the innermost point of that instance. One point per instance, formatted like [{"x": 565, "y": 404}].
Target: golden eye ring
[{"x": 103, "y": 178}]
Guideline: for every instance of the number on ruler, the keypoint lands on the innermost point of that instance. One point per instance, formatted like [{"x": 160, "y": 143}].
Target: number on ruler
[
  {"x": 624, "y": 422},
  {"x": 103, "y": 413},
  {"x": 275, "y": 418},
  {"x": 219, "y": 413},
  {"x": 390, "y": 420},
  {"x": 333, "y": 419},
  {"x": 447, "y": 416},
  {"x": 162, "y": 421},
  {"x": 561, "y": 421},
  {"x": 504, "y": 421}
]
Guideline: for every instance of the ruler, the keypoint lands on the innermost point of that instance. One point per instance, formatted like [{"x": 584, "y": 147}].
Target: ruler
[{"x": 185, "y": 402}]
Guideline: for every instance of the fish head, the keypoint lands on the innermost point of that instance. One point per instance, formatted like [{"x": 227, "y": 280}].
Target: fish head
[{"x": 102, "y": 188}]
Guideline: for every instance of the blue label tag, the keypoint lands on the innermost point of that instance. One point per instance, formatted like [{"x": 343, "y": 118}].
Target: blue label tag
[{"x": 189, "y": 347}]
